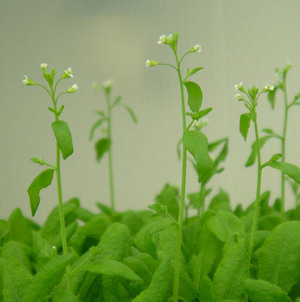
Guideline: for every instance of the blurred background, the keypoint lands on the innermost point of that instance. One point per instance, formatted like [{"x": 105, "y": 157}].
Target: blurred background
[{"x": 241, "y": 41}]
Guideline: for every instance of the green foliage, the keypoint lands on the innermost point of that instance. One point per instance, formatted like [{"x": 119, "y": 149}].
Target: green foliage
[
  {"x": 195, "y": 95},
  {"x": 102, "y": 146}
]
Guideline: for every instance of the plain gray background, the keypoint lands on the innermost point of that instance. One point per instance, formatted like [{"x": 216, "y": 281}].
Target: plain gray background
[{"x": 241, "y": 41}]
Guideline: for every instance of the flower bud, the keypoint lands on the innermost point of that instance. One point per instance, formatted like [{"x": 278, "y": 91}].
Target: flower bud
[
  {"x": 67, "y": 74},
  {"x": 27, "y": 81},
  {"x": 107, "y": 85},
  {"x": 268, "y": 87},
  {"x": 73, "y": 89},
  {"x": 196, "y": 47},
  {"x": 150, "y": 63},
  {"x": 239, "y": 87}
]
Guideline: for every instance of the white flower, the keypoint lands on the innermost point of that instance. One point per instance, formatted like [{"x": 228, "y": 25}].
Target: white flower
[
  {"x": 73, "y": 89},
  {"x": 196, "y": 47},
  {"x": 239, "y": 96},
  {"x": 44, "y": 65},
  {"x": 268, "y": 87},
  {"x": 27, "y": 81},
  {"x": 163, "y": 39},
  {"x": 150, "y": 63},
  {"x": 239, "y": 87},
  {"x": 68, "y": 74},
  {"x": 107, "y": 84}
]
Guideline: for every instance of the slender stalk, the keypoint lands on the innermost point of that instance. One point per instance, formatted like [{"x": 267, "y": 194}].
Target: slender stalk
[
  {"x": 60, "y": 202},
  {"x": 111, "y": 179},
  {"x": 282, "y": 201},
  {"x": 259, "y": 170},
  {"x": 182, "y": 197}
]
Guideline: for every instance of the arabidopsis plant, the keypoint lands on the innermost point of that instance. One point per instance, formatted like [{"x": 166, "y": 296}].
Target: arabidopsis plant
[
  {"x": 151, "y": 63},
  {"x": 73, "y": 89}
]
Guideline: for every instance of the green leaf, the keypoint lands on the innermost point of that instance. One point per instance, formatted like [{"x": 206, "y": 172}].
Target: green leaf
[
  {"x": 198, "y": 115},
  {"x": 196, "y": 143},
  {"x": 131, "y": 113},
  {"x": 193, "y": 71},
  {"x": 95, "y": 126},
  {"x": 253, "y": 155},
  {"x": 101, "y": 147},
  {"x": 213, "y": 145},
  {"x": 291, "y": 170},
  {"x": 195, "y": 95},
  {"x": 116, "y": 101},
  {"x": 245, "y": 124},
  {"x": 46, "y": 279},
  {"x": 220, "y": 202},
  {"x": 43, "y": 180},
  {"x": 160, "y": 286},
  {"x": 36, "y": 160},
  {"x": 4, "y": 228},
  {"x": 16, "y": 278},
  {"x": 19, "y": 228},
  {"x": 232, "y": 272},
  {"x": 63, "y": 137},
  {"x": 207, "y": 291},
  {"x": 279, "y": 258},
  {"x": 112, "y": 268},
  {"x": 259, "y": 290}
]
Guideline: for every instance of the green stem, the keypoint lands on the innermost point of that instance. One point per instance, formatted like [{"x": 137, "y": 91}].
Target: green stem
[
  {"x": 256, "y": 211},
  {"x": 282, "y": 201},
  {"x": 182, "y": 198},
  {"x": 60, "y": 202},
  {"x": 111, "y": 179}
]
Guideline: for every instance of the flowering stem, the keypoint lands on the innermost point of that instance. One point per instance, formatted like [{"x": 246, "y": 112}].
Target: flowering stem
[
  {"x": 183, "y": 184},
  {"x": 259, "y": 170},
  {"x": 60, "y": 202},
  {"x": 111, "y": 179},
  {"x": 282, "y": 200}
]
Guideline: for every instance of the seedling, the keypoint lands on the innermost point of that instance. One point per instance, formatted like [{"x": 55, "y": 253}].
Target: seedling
[
  {"x": 64, "y": 147},
  {"x": 193, "y": 141},
  {"x": 104, "y": 144}
]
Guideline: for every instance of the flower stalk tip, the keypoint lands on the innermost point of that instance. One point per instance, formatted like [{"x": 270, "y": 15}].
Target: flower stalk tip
[
  {"x": 68, "y": 73},
  {"x": 151, "y": 63},
  {"x": 27, "y": 81},
  {"x": 73, "y": 89},
  {"x": 196, "y": 48}
]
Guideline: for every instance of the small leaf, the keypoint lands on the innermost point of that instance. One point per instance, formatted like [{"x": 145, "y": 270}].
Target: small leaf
[
  {"x": 196, "y": 143},
  {"x": 4, "y": 228},
  {"x": 100, "y": 112},
  {"x": 259, "y": 290},
  {"x": 213, "y": 145},
  {"x": 245, "y": 124},
  {"x": 268, "y": 131},
  {"x": 195, "y": 95},
  {"x": 36, "y": 160},
  {"x": 101, "y": 147},
  {"x": 178, "y": 149},
  {"x": 43, "y": 180},
  {"x": 131, "y": 113},
  {"x": 261, "y": 143},
  {"x": 198, "y": 115},
  {"x": 193, "y": 71},
  {"x": 159, "y": 209},
  {"x": 291, "y": 170},
  {"x": 63, "y": 137},
  {"x": 95, "y": 126},
  {"x": 276, "y": 156},
  {"x": 117, "y": 101}
]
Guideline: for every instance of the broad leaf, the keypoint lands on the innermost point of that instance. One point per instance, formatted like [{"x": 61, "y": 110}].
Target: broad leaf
[
  {"x": 291, "y": 170},
  {"x": 195, "y": 95},
  {"x": 4, "y": 228},
  {"x": 245, "y": 124},
  {"x": 43, "y": 180},
  {"x": 232, "y": 272},
  {"x": 101, "y": 147},
  {"x": 196, "y": 143},
  {"x": 95, "y": 126},
  {"x": 279, "y": 258},
  {"x": 63, "y": 137},
  {"x": 112, "y": 268},
  {"x": 259, "y": 290},
  {"x": 46, "y": 279},
  {"x": 271, "y": 96},
  {"x": 253, "y": 155}
]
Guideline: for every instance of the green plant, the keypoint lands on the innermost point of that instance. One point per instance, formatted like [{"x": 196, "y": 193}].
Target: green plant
[
  {"x": 105, "y": 144},
  {"x": 64, "y": 147}
]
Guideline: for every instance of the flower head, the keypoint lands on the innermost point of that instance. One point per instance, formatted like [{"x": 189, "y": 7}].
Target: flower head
[
  {"x": 239, "y": 97},
  {"x": 73, "y": 89},
  {"x": 44, "y": 65},
  {"x": 196, "y": 47},
  {"x": 239, "y": 87},
  {"x": 68, "y": 74},
  {"x": 164, "y": 39},
  {"x": 27, "y": 81},
  {"x": 107, "y": 84},
  {"x": 150, "y": 63},
  {"x": 268, "y": 87}
]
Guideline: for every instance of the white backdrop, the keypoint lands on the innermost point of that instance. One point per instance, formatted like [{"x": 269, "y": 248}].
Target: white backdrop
[{"x": 241, "y": 41}]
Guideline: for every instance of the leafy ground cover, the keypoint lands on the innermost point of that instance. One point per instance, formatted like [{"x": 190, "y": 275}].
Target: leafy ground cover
[{"x": 165, "y": 253}]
